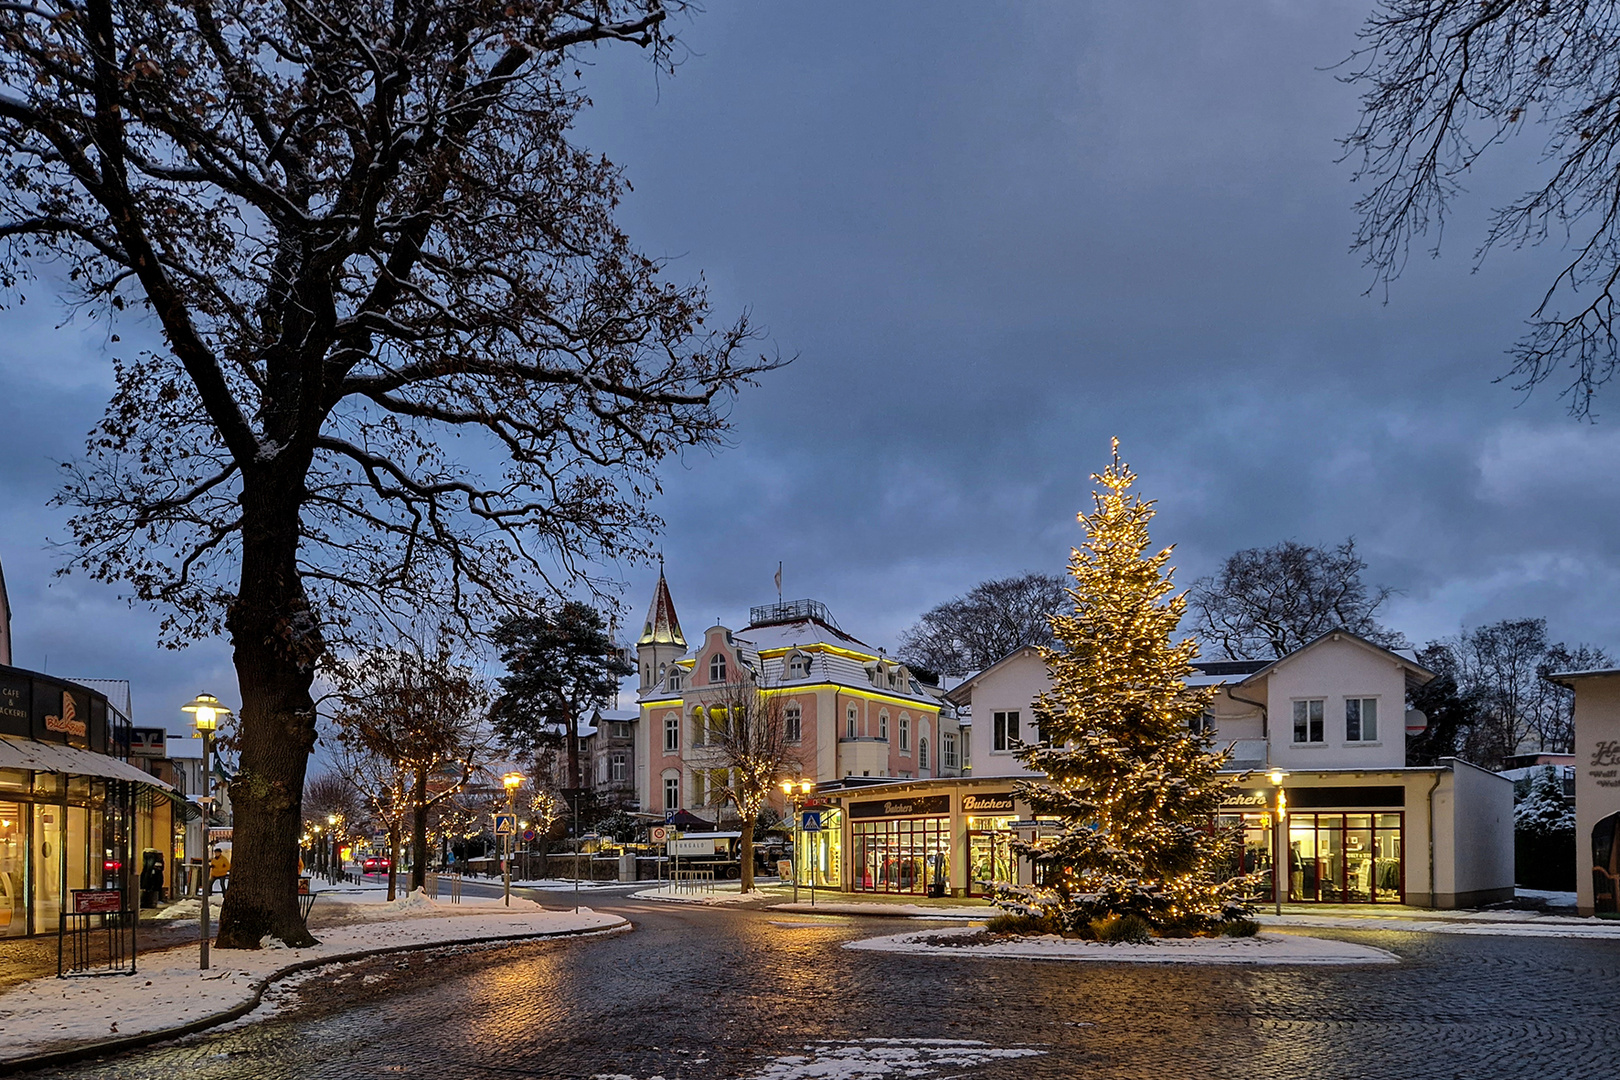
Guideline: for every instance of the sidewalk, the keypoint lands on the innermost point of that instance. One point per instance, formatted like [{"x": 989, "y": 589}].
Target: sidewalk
[{"x": 51, "y": 1021}]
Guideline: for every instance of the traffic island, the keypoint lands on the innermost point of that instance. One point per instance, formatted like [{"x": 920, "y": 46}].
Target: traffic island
[
  {"x": 50, "y": 1022},
  {"x": 1261, "y": 949}
]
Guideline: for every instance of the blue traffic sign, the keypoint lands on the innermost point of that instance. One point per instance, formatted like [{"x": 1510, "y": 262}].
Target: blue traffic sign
[
  {"x": 505, "y": 824},
  {"x": 810, "y": 821},
  {"x": 669, "y": 817},
  {"x": 529, "y": 835}
]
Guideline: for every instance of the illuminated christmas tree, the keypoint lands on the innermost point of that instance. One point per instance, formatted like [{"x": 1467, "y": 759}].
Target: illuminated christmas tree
[{"x": 1134, "y": 787}]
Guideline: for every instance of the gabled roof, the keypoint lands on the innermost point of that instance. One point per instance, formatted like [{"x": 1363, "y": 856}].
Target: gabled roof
[
  {"x": 1416, "y": 673},
  {"x": 1569, "y": 678},
  {"x": 662, "y": 627}
]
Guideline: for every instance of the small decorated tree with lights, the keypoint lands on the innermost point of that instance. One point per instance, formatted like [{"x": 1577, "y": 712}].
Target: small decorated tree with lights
[{"x": 1134, "y": 787}]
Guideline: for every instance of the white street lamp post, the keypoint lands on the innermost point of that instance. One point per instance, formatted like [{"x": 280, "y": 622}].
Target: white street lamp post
[
  {"x": 511, "y": 781},
  {"x": 206, "y": 711},
  {"x": 1279, "y": 858}
]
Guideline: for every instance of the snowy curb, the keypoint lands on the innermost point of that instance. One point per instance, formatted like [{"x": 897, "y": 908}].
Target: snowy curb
[
  {"x": 1550, "y": 926},
  {"x": 713, "y": 899},
  {"x": 891, "y": 911},
  {"x": 104, "y": 1047},
  {"x": 1262, "y": 949}
]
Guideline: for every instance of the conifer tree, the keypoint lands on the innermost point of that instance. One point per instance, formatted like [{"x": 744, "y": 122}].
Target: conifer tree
[{"x": 1135, "y": 788}]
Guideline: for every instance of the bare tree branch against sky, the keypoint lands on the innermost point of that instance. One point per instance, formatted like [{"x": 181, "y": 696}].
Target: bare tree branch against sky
[{"x": 995, "y": 236}]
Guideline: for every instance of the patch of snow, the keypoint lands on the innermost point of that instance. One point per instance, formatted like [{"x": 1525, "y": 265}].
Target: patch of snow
[
  {"x": 909, "y": 911},
  {"x": 1484, "y": 923},
  {"x": 1262, "y": 949},
  {"x": 168, "y": 990},
  {"x": 722, "y": 894},
  {"x": 1553, "y": 898}
]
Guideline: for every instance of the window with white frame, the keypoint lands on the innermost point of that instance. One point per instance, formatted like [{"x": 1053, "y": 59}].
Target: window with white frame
[
  {"x": 672, "y": 793},
  {"x": 905, "y": 734},
  {"x": 1005, "y": 733},
  {"x": 717, "y": 668},
  {"x": 617, "y": 765},
  {"x": 1361, "y": 719},
  {"x": 792, "y": 722},
  {"x": 1308, "y": 721},
  {"x": 674, "y": 678},
  {"x": 601, "y": 770},
  {"x": 1203, "y": 725},
  {"x": 883, "y": 724},
  {"x": 947, "y": 750},
  {"x": 672, "y": 733},
  {"x": 922, "y": 753},
  {"x": 798, "y": 666},
  {"x": 850, "y": 722}
]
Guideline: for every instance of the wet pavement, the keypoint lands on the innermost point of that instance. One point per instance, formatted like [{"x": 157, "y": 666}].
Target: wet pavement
[{"x": 730, "y": 993}]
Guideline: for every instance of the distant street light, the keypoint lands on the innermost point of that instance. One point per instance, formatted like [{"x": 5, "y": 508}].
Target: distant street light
[
  {"x": 206, "y": 710},
  {"x": 1279, "y": 858}
]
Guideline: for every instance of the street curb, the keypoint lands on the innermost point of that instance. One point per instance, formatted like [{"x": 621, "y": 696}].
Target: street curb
[
  {"x": 790, "y": 908},
  {"x": 106, "y": 1047}
]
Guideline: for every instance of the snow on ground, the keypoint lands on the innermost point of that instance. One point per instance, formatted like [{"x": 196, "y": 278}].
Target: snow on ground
[
  {"x": 875, "y": 1059},
  {"x": 910, "y": 911},
  {"x": 169, "y": 990},
  {"x": 1554, "y": 899},
  {"x": 1262, "y": 949},
  {"x": 724, "y": 893},
  {"x": 1479, "y": 923}
]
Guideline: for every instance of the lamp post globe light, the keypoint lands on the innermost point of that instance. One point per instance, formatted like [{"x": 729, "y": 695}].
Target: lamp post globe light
[
  {"x": 796, "y": 793},
  {"x": 205, "y": 711},
  {"x": 511, "y": 782},
  {"x": 1279, "y": 857}
]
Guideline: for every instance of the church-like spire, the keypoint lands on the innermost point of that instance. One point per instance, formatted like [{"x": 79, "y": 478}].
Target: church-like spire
[
  {"x": 5, "y": 623},
  {"x": 662, "y": 627}
]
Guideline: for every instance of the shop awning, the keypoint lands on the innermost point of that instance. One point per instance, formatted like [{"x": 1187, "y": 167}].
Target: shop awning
[{"x": 49, "y": 757}]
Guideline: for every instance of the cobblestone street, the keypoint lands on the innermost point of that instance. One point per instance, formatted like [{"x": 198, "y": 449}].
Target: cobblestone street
[{"x": 700, "y": 992}]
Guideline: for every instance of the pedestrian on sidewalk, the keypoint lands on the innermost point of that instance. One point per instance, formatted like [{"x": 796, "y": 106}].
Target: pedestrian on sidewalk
[{"x": 219, "y": 869}]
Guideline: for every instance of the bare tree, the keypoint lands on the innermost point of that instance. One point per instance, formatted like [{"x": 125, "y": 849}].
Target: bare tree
[
  {"x": 1447, "y": 80},
  {"x": 330, "y": 795},
  {"x": 752, "y": 755},
  {"x": 414, "y": 728},
  {"x": 366, "y": 236},
  {"x": 969, "y": 633},
  {"x": 1267, "y": 602},
  {"x": 1501, "y": 669}
]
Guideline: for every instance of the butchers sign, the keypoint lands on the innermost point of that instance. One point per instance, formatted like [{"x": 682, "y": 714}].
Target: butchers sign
[
  {"x": 919, "y": 806},
  {"x": 999, "y": 802}
]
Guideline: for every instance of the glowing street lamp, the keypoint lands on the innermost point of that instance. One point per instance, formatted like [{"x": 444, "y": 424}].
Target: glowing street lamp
[
  {"x": 1279, "y": 857},
  {"x": 205, "y": 711},
  {"x": 803, "y": 788},
  {"x": 511, "y": 782}
]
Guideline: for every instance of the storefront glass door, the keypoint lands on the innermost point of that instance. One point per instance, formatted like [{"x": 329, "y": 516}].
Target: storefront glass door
[
  {"x": 904, "y": 855},
  {"x": 990, "y": 860},
  {"x": 48, "y": 837},
  {"x": 1345, "y": 858},
  {"x": 13, "y": 870}
]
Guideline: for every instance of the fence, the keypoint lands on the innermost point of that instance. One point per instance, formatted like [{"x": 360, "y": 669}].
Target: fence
[{"x": 693, "y": 881}]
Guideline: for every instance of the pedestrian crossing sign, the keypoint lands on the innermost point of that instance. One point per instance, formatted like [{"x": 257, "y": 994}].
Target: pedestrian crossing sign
[
  {"x": 810, "y": 821},
  {"x": 505, "y": 824}
]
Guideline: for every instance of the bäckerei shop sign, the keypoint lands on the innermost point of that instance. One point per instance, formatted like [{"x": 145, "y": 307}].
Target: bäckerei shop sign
[{"x": 36, "y": 707}]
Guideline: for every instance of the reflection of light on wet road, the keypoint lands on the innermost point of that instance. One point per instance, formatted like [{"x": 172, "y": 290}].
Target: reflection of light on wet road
[{"x": 877, "y": 1059}]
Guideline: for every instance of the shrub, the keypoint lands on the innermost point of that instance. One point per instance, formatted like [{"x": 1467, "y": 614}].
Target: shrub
[
  {"x": 1240, "y": 928},
  {"x": 1117, "y": 929},
  {"x": 1024, "y": 925}
]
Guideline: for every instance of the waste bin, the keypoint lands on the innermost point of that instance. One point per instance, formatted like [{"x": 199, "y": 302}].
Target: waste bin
[{"x": 151, "y": 877}]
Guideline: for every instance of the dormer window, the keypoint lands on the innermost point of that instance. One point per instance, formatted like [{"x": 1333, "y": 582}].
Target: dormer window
[
  {"x": 674, "y": 678},
  {"x": 798, "y": 666},
  {"x": 717, "y": 668}
]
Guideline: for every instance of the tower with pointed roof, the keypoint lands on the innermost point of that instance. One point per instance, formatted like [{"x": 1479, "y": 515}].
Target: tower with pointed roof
[{"x": 661, "y": 641}]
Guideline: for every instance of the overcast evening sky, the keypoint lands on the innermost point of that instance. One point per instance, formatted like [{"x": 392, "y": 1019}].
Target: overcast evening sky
[{"x": 993, "y": 236}]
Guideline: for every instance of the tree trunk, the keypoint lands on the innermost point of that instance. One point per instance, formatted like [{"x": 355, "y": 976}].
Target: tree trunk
[
  {"x": 276, "y": 640},
  {"x": 419, "y": 816},
  {"x": 393, "y": 860},
  {"x": 747, "y": 853}
]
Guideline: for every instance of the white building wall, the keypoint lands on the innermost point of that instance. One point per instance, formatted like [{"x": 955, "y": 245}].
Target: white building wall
[
  {"x": 1480, "y": 869},
  {"x": 1333, "y": 671},
  {"x": 1012, "y": 686}
]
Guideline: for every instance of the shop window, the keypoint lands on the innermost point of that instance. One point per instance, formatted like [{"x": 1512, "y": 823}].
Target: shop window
[
  {"x": 793, "y": 723},
  {"x": 1361, "y": 719},
  {"x": 1006, "y": 731},
  {"x": 1308, "y": 721}
]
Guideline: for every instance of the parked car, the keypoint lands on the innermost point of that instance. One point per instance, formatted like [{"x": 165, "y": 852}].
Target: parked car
[{"x": 376, "y": 864}]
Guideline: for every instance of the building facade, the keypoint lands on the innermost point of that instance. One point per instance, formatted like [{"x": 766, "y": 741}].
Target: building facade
[{"x": 849, "y": 711}]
